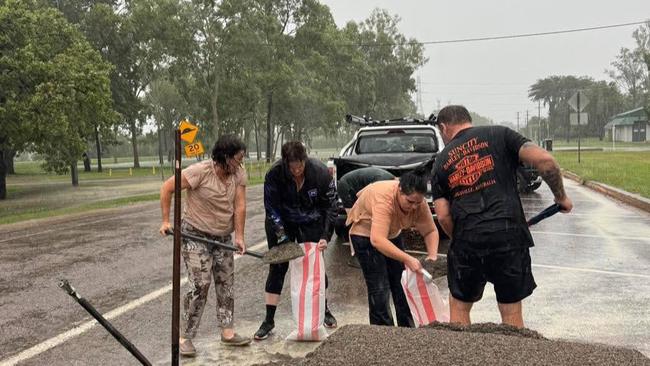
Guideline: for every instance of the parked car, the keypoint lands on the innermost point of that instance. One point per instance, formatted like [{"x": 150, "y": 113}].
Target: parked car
[{"x": 396, "y": 145}]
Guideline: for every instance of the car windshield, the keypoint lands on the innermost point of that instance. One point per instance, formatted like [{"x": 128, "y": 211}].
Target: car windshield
[{"x": 396, "y": 143}]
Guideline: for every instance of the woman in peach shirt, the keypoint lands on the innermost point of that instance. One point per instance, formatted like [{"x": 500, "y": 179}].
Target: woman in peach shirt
[{"x": 382, "y": 210}]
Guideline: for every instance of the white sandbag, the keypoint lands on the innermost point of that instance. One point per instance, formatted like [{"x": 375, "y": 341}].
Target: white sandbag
[
  {"x": 308, "y": 295},
  {"x": 425, "y": 301}
]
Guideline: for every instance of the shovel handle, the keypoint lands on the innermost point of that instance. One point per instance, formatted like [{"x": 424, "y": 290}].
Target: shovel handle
[
  {"x": 426, "y": 274},
  {"x": 548, "y": 212},
  {"x": 217, "y": 243}
]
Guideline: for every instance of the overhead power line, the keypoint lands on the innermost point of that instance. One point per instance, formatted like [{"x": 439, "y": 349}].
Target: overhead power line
[{"x": 511, "y": 36}]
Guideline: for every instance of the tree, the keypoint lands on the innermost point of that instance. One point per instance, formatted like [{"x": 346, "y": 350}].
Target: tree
[
  {"x": 53, "y": 86},
  {"x": 555, "y": 91},
  {"x": 631, "y": 70}
]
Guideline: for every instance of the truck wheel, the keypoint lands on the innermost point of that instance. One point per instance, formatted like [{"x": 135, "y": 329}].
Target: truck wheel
[
  {"x": 522, "y": 184},
  {"x": 342, "y": 232}
]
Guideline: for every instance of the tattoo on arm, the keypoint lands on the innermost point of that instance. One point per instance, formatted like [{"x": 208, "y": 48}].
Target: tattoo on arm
[
  {"x": 553, "y": 178},
  {"x": 546, "y": 166}
]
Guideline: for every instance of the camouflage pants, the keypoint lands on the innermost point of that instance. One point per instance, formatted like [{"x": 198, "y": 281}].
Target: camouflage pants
[{"x": 205, "y": 262}]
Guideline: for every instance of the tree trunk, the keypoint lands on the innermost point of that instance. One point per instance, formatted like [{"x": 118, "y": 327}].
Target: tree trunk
[
  {"x": 9, "y": 161},
  {"x": 160, "y": 145},
  {"x": 134, "y": 143},
  {"x": 99, "y": 149},
  {"x": 269, "y": 128},
  {"x": 3, "y": 175},
  {"x": 257, "y": 142},
  {"x": 214, "y": 104},
  {"x": 86, "y": 161},
  {"x": 74, "y": 174}
]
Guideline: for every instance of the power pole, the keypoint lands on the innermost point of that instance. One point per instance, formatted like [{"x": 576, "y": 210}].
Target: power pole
[
  {"x": 527, "y": 132},
  {"x": 419, "y": 95},
  {"x": 539, "y": 122},
  {"x": 517, "y": 121}
]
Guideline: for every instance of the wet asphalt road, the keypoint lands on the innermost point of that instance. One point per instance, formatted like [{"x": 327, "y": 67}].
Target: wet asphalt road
[{"x": 592, "y": 268}]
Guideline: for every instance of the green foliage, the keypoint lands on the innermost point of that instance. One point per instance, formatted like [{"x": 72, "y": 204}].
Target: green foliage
[
  {"x": 554, "y": 92},
  {"x": 54, "y": 86},
  {"x": 632, "y": 69}
]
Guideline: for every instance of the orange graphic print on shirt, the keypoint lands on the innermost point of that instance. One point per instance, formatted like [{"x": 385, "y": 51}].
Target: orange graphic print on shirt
[{"x": 469, "y": 167}]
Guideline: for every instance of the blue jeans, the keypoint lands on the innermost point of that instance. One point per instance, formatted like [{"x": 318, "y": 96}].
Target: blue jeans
[{"x": 382, "y": 275}]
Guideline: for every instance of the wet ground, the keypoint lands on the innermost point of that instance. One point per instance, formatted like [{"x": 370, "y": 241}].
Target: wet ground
[{"x": 592, "y": 268}]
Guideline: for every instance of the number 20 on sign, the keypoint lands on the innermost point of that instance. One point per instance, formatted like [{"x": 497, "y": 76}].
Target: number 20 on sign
[{"x": 194, "y": 149}]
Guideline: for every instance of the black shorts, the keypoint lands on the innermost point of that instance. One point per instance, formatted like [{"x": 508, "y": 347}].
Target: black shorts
[{"x": 509, "y": 271}]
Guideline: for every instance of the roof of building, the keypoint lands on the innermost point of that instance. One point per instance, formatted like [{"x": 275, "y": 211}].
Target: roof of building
[{"x": 628, "y": 118}]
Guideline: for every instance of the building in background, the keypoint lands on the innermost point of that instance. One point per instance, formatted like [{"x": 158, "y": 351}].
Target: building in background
[{"x": 630, "y": 126}]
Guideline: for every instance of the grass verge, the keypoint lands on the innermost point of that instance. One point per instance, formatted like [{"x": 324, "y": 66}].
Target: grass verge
[
  {"x": 44, "y": 212},
  {"x": 629, "y": 171}
]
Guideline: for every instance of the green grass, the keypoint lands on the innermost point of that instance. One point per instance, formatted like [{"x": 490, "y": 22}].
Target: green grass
[
  {"x": 628, "y": 170},
  {"x": 44, "y": 212},
  {"x": 34, "y": 194},
  {"x": 595, "y": 142}
]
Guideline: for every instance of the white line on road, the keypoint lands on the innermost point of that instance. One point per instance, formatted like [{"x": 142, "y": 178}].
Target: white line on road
[
  {"x": 65, "y": 336},
  {"x": 640, "y": 238},
  {"x": 625, "y": 274},
  {"x": 592, "y": 215}
]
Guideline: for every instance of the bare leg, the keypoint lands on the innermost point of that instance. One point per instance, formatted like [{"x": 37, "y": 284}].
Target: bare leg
[
  {"x": 512, "y": 314},
  {"x": 271, "y": 299},
  {"x": 459, "y": 311}
]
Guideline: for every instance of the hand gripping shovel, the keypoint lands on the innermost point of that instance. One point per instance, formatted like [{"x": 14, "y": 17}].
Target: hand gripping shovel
[
  {"x": 270, "y": 257},
  {"x": 548, "y": 212}
]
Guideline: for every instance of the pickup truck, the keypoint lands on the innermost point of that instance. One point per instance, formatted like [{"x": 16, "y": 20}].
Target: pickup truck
[{"x": 397, "y": 145}]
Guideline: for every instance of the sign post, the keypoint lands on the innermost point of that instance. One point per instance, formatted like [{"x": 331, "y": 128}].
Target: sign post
[
  {"x": 187, "y": 132},
  {"x": 176, "y": 265},
  {"x": 578, "y": 102}
]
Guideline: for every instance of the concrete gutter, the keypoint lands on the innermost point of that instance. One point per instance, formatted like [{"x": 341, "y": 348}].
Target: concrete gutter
[{"x": 631, "y": 199}]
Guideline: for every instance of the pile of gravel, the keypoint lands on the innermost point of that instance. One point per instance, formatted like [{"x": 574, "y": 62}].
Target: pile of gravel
[
  {"x": 356, "y": 345},
  {"x": 491, "y": 328},
  {"x": 283, "y": 253},
  {"x": 414, "y": 241},
  {"x": 437, "y": 268}
]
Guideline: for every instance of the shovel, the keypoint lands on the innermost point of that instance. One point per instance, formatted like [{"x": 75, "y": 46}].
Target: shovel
[
  {"x": 548, "y": 212},
  {"x": 269, "y": 257},
  {"x": 427, "y": 276}
]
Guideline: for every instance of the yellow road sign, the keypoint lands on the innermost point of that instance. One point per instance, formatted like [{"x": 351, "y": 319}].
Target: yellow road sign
[
  {"x": 188, "y": 131},
  {"x": 194, "y": 149}
]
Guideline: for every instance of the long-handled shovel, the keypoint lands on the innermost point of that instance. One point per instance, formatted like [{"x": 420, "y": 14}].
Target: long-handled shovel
[
  {"x": 548, "y": 212},
  {"x": 270, "y": 257},
  {"x": 65, "y": 285}
]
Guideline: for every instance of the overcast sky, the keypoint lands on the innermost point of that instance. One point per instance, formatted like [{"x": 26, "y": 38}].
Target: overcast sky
[{"x": 492, "y": 77}]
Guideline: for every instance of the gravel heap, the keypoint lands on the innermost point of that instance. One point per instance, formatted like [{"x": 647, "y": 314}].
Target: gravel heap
[
  {"x": 360, "y": 345},
  {"x": 414, "y": 241},
  {"x": 491, "y": 328},
  {"x": 437, "y": 268},
  {"x": 283, "y": 253}
]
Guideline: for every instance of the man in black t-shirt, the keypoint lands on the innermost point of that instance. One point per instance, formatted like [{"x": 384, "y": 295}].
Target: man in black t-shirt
[{"x": 474, "y": 187}]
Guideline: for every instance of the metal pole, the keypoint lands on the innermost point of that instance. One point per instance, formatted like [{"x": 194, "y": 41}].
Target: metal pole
[
  {"x": 539, "y": 122},
  {"x": 579, "y": 127},
  {"x": 517, "y": 121},
  {"x": 176, "y": 271},
  {"x": 65, "y": 285}
]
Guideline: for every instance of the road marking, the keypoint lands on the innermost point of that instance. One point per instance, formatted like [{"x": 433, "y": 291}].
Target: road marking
[
  {"x": 80, "y": 329},
  {"x": 593, "y": 215},
  {"x": 640, "y": 238},
  {"x": 625, "y": 274},
  {"x": 76, "y": 224}
]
